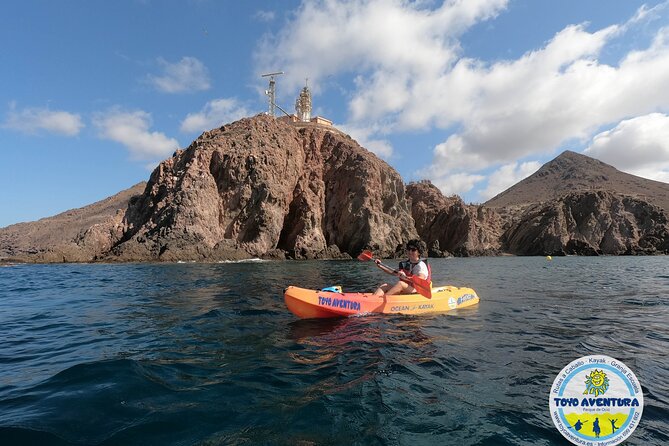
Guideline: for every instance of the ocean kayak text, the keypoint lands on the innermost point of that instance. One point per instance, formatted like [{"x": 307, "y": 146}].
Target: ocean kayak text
[{"x": 412, "y": 308}]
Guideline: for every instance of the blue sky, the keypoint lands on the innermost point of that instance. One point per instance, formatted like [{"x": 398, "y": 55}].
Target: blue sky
[{"x": 473, "y": 95}]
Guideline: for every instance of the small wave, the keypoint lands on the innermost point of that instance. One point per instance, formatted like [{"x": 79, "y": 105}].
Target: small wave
[
  {"x": 215, "y": 313},
  {"x": 114, "y": 394},
  {"x": 362, "y": 314},
  {"x": 252, "y": 260}
]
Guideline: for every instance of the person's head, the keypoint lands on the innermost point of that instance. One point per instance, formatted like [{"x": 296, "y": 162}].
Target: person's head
[{"x": 415, "y": 246}]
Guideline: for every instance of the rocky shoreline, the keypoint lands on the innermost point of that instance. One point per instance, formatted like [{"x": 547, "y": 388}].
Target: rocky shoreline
[{"x": 271, "y": 189}]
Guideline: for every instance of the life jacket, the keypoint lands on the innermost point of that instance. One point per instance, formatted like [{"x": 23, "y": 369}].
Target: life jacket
[{"x": 407, "y": 267}]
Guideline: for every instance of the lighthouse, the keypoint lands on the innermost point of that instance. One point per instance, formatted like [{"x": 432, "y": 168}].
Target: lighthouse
[{"x": 303, "y": 104}]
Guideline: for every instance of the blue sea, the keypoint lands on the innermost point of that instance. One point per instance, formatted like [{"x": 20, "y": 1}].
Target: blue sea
[{"x": 207, "y": 354}]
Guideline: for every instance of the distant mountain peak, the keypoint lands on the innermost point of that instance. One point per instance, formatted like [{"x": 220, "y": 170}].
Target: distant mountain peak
[
  {"x": 570, "y": 154},
  {"x": 575, "y": 172}
]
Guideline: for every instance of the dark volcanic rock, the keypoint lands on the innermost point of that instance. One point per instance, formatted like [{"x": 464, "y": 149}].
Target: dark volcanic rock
[
  {"x": 590, "y": 223},
  {"x": 447, "y": 225},
  {"x": 261, "y": 186}
]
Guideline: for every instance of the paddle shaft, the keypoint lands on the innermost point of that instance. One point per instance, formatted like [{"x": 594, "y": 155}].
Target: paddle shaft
[{"x": 394, "y": 272}]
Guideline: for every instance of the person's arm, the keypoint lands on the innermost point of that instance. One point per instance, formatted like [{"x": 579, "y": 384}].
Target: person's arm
[{"x": 384, "y": 268}]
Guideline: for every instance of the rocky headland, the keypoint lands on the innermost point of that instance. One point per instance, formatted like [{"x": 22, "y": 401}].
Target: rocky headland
[
  {"x": 77, "y": 235},
  {"x": 270, "y": 188},
  {"x": 262, "y": 187}
]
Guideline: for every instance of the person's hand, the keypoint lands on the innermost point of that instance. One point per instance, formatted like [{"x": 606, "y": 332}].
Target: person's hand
[
  {"x": 377, "y": 261},
  {"x": 402, "y": 275}
]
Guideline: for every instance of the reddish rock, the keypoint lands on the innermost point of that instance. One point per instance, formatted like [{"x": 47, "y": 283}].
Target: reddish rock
[
  {"x": 447, "y": 225},
  {"x": 573, "y": 172},
  {"x": 260, "y": 185},
  {"x": 77, "y": 235},
  {"x": 590, "y": 223}
]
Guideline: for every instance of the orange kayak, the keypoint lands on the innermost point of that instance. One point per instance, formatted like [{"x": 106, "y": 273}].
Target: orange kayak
[{"x": 307, "y": 304}]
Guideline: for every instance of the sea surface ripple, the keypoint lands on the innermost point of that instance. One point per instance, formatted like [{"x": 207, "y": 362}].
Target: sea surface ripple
[{"x": 207, "y": 354}]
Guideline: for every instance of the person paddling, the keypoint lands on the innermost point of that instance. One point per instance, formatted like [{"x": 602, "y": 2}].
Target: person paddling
[{"x": 413, "y": 266}]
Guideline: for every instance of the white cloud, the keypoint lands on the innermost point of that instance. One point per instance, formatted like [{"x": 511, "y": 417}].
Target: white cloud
[
  {"x": 513, "y": 109},
  {"x": 458, "y": 183},
  {"x": 451, "y": 155},
  {"x": 35, "y": 120},
  {"x": 384, "y": 41},
  {"x": 381, "y": 147},
  {"x": 548, "y": 97},
  {"x": 656, "y": 173},
  {"x": 214, "y": 114},
  {"x": 411, "y": 74},
  {"x": 639, "y": 146},
  {"x": 131, "y": 128},
  {"x": 647, "y": 14},
  {"x": 189, "y": 74},
  {"x": 506, "y": 176},
  {"x": 264, "y": 16}
]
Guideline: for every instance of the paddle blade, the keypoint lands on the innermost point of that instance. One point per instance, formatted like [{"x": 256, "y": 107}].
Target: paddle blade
[
  {"x": 423, "y": 286},
  {"x": 366, "y": 255}
]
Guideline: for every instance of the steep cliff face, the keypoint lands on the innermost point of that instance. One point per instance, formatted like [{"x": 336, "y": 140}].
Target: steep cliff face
[
  {"x": 590, "y": 223},
  {"x": 448, "y": 226},
  {"x": 262, "y": 187}
]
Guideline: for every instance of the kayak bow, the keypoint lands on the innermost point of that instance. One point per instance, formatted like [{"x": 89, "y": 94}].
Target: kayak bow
[{"x": 307, "y": 304}]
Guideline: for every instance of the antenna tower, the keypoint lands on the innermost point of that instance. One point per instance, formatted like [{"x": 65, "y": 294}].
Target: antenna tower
[{"x": 271, "y": 92}]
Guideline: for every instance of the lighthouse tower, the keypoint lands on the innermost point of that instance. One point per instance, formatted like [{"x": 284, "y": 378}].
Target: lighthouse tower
[{"x": 303, "y": 105}]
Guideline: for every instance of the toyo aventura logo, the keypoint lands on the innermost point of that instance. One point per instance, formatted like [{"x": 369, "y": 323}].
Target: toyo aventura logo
[{"x": 596, "y": 400}]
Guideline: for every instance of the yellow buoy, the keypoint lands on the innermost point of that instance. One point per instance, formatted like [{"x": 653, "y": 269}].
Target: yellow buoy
[{"x": 549, "y": 258}]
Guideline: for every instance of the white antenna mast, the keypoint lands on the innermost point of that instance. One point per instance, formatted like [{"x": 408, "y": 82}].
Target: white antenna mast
[{"x": 271, "y": 92}]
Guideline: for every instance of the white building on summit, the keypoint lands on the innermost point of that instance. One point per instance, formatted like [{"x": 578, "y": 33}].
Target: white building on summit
[
  {"x": 303, "y": 110},
  {"x": 303, "y": 105}
]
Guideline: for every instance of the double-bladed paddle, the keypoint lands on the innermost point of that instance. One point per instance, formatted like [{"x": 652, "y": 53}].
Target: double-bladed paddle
[{"x": 423, "y": 286}]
